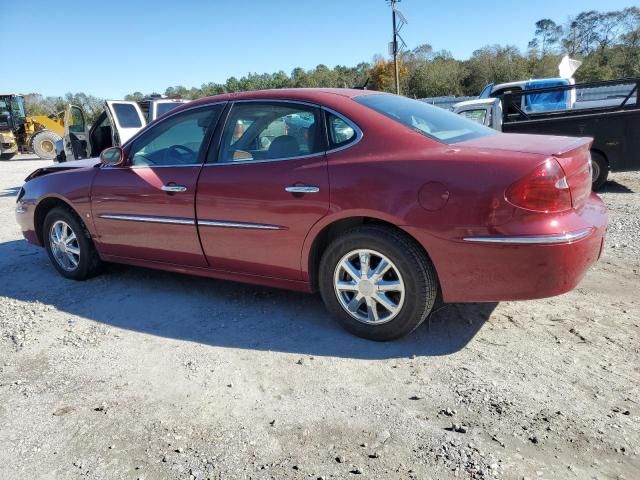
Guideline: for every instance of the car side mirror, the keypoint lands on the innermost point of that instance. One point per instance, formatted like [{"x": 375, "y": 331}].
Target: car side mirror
[{"x": 112, "y": 157}]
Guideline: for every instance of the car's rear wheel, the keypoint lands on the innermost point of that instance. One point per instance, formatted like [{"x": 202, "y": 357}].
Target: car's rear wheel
[
  {"x": 69, "y": 245},
  {"x": 599, "y": 170},
  {"x": 378, "y": 282}
]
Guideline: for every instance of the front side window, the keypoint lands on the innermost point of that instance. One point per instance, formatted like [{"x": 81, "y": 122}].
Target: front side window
[
  {"x": 270, "y": 131},
  {"x": 127, "y": 115},
  {"x": 430, "y": 121},
  {"x": 175, "y": 141}
]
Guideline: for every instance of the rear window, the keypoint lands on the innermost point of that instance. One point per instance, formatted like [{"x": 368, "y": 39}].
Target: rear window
[
  {"x": 432, "y": 122},
  {"x": 127, "y": 115}
]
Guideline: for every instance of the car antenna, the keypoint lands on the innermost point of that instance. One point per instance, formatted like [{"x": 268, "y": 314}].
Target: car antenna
[{"x": 364, "y": 85}]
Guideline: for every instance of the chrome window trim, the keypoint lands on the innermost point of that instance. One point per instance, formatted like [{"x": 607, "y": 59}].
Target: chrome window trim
[
  {"x": 129, "y": 167},
  {"x": 187, "y": 221},
  {"x": 248, "y": 162},
  {"x": 148, "y": 219},
  {"x": 533, "y": 240},
  {"x": 221, "y": 224},
  {"x": 167, "y": 116}
]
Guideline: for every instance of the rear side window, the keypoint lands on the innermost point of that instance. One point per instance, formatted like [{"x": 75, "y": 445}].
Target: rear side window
[
  {"x": 127, "y": 115},
  {"x": 478, "y": 115},
  {"x": 341, "y": 132},
  {"x": 430, "y": 121},
  {"x": 270, "y": 131}
]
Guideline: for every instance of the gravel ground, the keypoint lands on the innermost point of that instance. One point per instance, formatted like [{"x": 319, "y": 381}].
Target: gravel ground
[{"x": 143, "y": 374}]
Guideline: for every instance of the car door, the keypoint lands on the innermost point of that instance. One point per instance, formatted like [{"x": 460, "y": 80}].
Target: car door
[
  {"x": 263, "y": 190},
  {"x": 144, "y": 210},
  {"x": 126, "y": 118},
  {"x": 76, "y": 136}
]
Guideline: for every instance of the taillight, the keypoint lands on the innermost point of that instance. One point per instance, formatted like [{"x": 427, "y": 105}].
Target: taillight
[{"x": 543, "y": 190}]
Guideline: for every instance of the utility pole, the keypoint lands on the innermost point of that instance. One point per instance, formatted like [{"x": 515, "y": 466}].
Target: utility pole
[
  {"x": 395, "y": 46},
  {"x": 395, "y": 16}
]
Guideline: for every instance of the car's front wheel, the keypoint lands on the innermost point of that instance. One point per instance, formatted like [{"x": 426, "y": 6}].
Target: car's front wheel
[
  {"x": 69, "y": 245},
  {"x": 378, "y": 282}
]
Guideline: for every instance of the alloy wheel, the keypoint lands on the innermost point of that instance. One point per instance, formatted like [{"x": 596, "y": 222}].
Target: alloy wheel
[
  {"x": 369, "y": 286},
  {"x": 64, "y": 245}
]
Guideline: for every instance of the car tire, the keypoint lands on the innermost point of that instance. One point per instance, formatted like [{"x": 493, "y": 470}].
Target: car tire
[
  {"x": 410, "y": 272},
  {"x": 7, "y": 156},
  {"x": 63, "y": 227},
  {"x": 600, "y": 169},
  {"x": 43, "y": 144}
]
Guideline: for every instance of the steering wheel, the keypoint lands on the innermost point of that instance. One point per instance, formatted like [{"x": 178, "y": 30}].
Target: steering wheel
[{"x": 178, "y": 151}]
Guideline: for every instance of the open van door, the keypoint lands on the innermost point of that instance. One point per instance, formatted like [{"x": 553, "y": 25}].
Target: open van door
[
  {"x": 76, "y": 134},
  {"x": 486, "y": 111},
  {"x": 126, "y": 118}
]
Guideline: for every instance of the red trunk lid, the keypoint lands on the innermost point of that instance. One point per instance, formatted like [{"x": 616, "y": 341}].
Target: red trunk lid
[{"x": 571, "y": 152}]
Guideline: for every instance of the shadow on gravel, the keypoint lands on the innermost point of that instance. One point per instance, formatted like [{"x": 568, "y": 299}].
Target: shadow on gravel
[
  {"x": 219, "y": 313},
  {"x": 614, "y": 187}
]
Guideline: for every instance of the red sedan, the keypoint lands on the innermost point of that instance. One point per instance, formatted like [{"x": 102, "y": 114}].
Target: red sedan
[{"x": 382, "y": 203}]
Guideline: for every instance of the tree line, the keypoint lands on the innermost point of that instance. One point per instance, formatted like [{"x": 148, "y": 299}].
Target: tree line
[{"x": 608, "y": 43}]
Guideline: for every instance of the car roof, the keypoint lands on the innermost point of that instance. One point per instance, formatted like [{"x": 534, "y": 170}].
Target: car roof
[
  {"x": 477, "y": 101},
  {"x": 312, "y": 95}
]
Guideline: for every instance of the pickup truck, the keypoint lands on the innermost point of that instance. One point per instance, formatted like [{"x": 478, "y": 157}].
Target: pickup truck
[
  {"x": 613, "y": 121},
  {"x": 119, "y": 121}
]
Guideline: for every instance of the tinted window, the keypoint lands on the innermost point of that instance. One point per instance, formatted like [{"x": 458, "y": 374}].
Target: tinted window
[
  {"x": 127, "y": 115},
  {"x": 340, "y": 132},
  {"x": 269, "y": 131},
  {"x": 433, "y": 122},
  {"x": 76, "y": 121},
  {"x": 163, "y": 108},
  {"x": 175, "y": 141}
]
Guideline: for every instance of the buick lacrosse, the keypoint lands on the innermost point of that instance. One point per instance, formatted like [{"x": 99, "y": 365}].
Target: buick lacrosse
[{"x": 383, "y": 204}]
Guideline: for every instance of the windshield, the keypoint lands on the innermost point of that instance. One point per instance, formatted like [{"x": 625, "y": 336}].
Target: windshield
[
  {"x": 486, "y": 91},
  {"x": 17, "y": 107},
  {"x": 432, "y": 122},
  {"x": 164, "y": 107}
]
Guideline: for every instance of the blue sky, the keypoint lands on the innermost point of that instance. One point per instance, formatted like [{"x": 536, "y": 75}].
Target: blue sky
[{"x": 114, "y": 47}]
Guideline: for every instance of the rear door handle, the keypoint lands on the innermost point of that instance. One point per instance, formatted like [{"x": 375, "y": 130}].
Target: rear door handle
[
  {"x": 302, "y": 189},
  {"x": 174, "y": 188}
]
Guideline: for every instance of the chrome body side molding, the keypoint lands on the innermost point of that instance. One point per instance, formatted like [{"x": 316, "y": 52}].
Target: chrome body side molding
[
  {"x": 149, "y": 219},
  {"x": 188, "y": 221},
  {"x": 533, "y": 240},
  {"x": 255, "y": 226}
]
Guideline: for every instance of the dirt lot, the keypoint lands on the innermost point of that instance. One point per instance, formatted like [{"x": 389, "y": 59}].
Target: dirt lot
[{"x": 141, "y": 374}]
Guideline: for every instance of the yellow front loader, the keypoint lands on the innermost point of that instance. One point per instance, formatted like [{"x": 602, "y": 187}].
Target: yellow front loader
[{"x": 22, "y": 133}]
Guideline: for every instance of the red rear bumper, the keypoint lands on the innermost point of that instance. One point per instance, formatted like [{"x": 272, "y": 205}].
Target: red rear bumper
[{"x": 477, "y": 271}]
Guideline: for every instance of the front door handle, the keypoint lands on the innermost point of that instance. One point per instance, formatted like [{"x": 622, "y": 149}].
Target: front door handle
[
  {"x": 174, "y": 188},
  {"x": 302, "y": 189}
]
